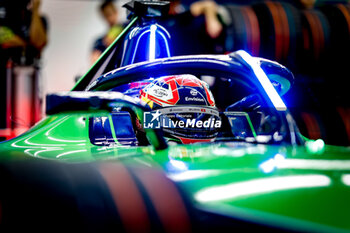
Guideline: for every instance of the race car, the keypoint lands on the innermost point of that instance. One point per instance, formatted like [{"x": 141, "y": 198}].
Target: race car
[{"x": 148, "y": 142}]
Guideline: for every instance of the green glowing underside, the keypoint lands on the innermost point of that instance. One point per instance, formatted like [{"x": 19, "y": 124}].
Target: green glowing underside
[{"x": 301, "y": 187}]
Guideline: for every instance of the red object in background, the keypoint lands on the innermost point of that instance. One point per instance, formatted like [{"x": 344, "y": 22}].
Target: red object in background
[
  {"x": 23, "y": 102},
  {"x": 345, "y": 116}
]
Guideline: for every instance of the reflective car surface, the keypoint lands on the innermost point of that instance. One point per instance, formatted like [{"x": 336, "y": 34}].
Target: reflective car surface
[{"x": 256, "y": 173}]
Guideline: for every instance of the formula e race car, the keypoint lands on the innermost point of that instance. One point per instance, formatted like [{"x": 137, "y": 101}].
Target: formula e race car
[{"x": 149, "y": 142}]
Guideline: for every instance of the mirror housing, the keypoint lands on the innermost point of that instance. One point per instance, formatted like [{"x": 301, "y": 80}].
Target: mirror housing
[
  {"x": 281, "y": 78},
  {"x": 76, "y": 101}
]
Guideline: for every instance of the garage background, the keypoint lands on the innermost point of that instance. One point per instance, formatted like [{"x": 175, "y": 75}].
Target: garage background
[{"x": 313, "y": 42}]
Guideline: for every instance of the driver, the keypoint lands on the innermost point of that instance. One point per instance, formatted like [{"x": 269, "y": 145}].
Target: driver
[{"x": 186, "y": 107}]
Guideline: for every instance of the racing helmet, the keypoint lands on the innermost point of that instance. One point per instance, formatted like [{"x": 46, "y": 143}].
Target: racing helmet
[{"x": 185, "y": 108}]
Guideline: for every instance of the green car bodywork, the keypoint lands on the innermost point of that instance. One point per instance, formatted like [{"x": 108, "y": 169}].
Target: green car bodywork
[
  {"x": 295, "y": 187},
  {"x": 304, "y": 188}
]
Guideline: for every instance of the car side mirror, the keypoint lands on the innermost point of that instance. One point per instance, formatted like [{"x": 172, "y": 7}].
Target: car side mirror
[
  {"x": 77, "y": 101},
  {"x": 281, "y": 78}
]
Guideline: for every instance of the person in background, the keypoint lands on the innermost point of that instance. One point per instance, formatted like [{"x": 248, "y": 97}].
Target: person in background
[
  {"x": 195, "y": 27},
  {"x": 23, "y": 36},
  {"x": 23, "y": 31},
  {"x": 109, "y": 13},
  {"x": 23, "y": 26},
  {"x": 210, "y": 11}
]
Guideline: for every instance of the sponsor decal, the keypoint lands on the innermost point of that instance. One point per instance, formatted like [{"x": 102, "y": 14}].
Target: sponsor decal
[
  {"x": 194, "y": 99},
  {"x": 193, "y": 92},
  {"x": 160, "y": 92},
  {"x": 162, "y": 96}
]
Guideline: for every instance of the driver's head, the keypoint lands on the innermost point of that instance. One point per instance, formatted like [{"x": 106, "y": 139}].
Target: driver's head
[{"x": 188, "y": 103}]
